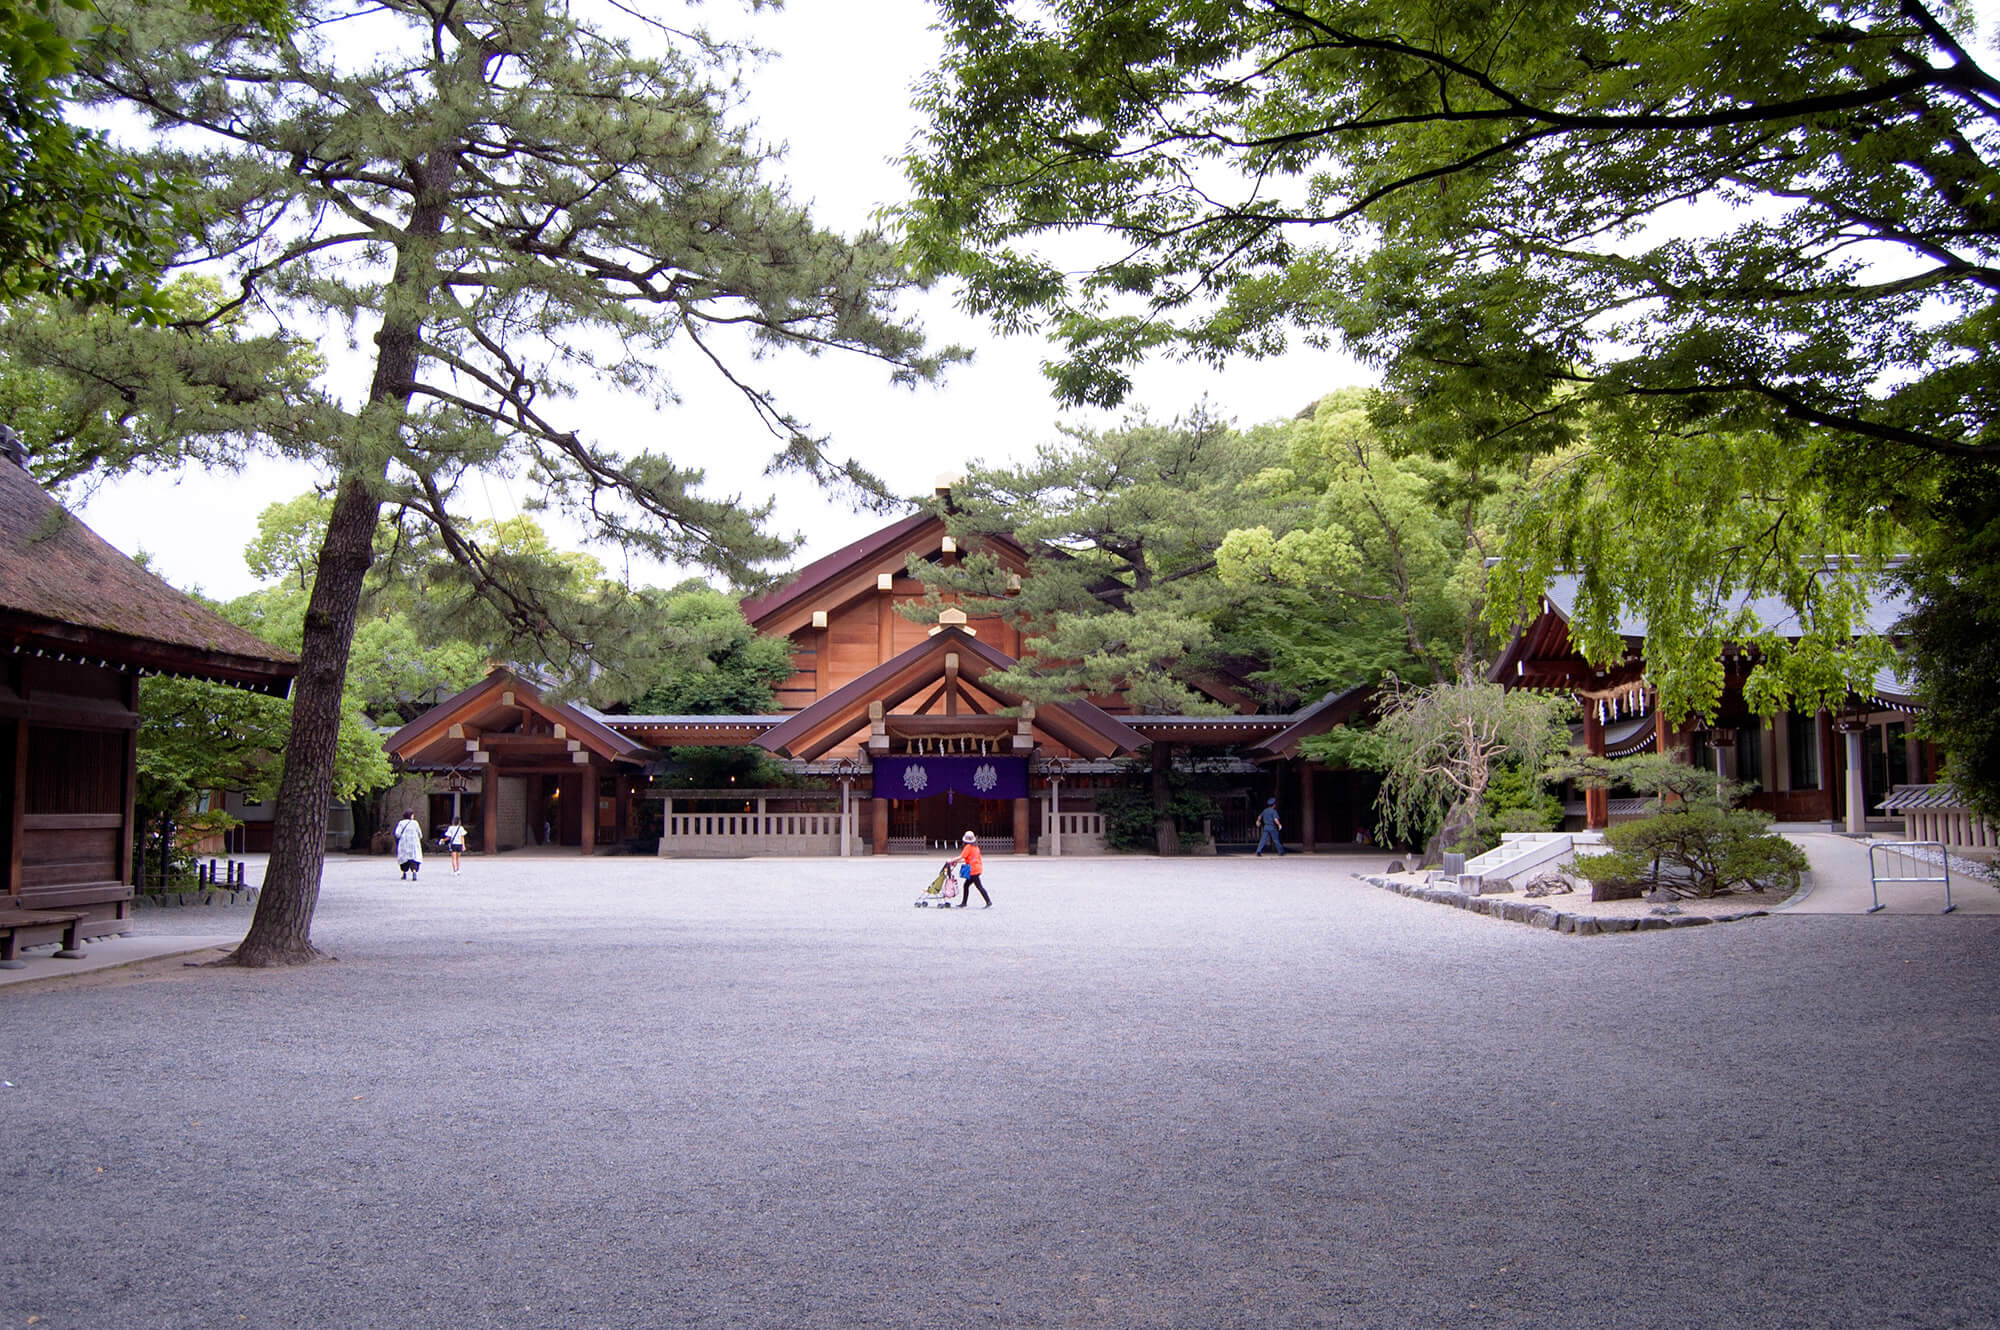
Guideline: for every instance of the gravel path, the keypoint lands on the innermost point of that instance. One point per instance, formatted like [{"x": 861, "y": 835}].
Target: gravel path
[{"x": 1200, "y": 1094}]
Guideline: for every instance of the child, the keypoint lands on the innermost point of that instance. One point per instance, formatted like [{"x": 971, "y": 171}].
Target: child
[
  {"x": 972, "y": 862},
  {"x": 454, "y": 840}
]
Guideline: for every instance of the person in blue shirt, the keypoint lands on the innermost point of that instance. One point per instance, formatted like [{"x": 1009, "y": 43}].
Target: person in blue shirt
[{"x": 1268, "y": 820}]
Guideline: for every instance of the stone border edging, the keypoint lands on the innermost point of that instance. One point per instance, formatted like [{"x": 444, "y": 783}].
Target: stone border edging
[{"x": 1537, "y": 915}]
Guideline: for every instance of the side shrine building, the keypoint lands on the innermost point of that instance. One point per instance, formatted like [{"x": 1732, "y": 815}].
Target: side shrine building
[
  {"x": 79, "y": 624},
  {"x": 1832, "y": 765},
  {"x": 903, "y": 733}
]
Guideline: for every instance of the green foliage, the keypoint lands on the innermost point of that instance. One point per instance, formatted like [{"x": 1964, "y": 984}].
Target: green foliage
[
  {"x": 1382, "y": 570},
  {"x": 1700, "y": 848},
  {"x": 706, "y": 660},
  {"x": 196, "y": 737},
  {"x": 78, "y": 218},
  {"x": 1714, "y": 276},
  {"x": 92, "y": 391},
  {"x": 1704, "y": 539},
  {"x": 1443, "y": 741},
  {"x": 1515, "y": 801},
  {"x": 1131, "y": 819},
  {"x": 1121, "y": 529},
  {"x": 702, "y": 768},
  {"x": 1662, "y": 778},
  {"x": 1952, "y": 637}
]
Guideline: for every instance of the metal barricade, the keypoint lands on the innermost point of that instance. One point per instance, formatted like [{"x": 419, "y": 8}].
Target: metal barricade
[{"x": 1904, "y": 863}]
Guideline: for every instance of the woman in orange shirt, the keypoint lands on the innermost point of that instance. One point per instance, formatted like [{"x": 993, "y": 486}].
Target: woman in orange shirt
[{"x": 974, "y": 862}]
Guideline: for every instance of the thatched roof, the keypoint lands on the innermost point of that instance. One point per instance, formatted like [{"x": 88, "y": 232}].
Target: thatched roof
[{"x": 65, "y": 592}]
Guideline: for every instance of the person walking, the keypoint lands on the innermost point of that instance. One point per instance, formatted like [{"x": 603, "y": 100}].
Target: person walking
[
  {"x": 409, "y": 845},
  {"x": 1268, "y": 820},
  {"x": 971, "y": 862},
  {"x": 454, "y": 840}
]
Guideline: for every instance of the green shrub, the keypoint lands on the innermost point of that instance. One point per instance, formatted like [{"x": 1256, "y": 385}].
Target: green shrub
[
  {"x": 1698, "y": 848},
  {"x": 1128, "y": 816},
  {"x": 1514, "y": 802}
]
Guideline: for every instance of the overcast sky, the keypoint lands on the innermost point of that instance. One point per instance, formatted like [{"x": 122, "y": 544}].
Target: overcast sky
[{"x": 838, "y": 95}]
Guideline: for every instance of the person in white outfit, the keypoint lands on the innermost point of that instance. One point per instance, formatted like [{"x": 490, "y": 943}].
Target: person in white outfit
[
  {"x": 454, "y": 840},
  {"x": 409, "y": 845}
]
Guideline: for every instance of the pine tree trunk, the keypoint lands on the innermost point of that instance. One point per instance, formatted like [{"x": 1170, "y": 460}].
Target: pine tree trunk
[
  {"x": 1166, "y": 835},
  {"x": 280, "y": 931}
]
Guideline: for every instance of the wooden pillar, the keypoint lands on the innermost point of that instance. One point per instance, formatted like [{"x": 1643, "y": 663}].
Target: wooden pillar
[
  {"x": 621, "y": 806},
  {"x": 1857, "y": 794},
  {"x": 1308, "y": 821},
  {"x": 846, "y": 805},
  {"x": 879, "y": 825},
  {"x": 1054, "y": 829},
  {"x": 588, "y": 781},
  {"x": 1596, "y": 800},
  {"x": 489, "y": 810},
  {"x": 1829, "y": 778},
  {"x": 1021, "y": 845},
  {"x": 129, "y": 780},
  {"x": 18, "y": 812}
]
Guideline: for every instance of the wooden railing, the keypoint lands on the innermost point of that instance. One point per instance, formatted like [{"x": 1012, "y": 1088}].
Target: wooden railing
[
  {"x": 717, "y": 835},
  {"x": 1074, "y": 833}
]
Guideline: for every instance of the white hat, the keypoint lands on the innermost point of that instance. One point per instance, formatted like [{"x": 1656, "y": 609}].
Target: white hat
[{"x": 968, "y": 838}]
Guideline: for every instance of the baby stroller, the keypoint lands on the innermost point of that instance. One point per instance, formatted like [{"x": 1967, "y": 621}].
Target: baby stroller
[{"x": 944, "y": 888}]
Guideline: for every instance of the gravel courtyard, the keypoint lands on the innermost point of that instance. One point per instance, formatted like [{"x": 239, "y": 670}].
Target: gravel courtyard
[{"x": 1208, "y": 1093}]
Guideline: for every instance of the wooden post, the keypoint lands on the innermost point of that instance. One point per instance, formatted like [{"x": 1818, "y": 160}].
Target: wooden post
[
  {"x": 1596, "y": 800},
  {"x": 128, "y": 779},
  {"x": 621, "y": 807},
  {"x": 1829, "y": 785},
  {"x": 489, "y": 810},
  {"x": 1055, "y": 817},
  {"x": 18, "y": 760},
  {"x": 1857, "y": 794},
  {"x": 1308, "y": 827},
  {"x": 846, "y": 802},
  {"x": 879, "y": 830},
  {"x": 588, "y": 783},
  {"x": 1021, "y": 845}
]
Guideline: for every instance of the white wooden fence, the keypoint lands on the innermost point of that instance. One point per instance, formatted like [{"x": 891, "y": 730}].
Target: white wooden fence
[
  {"x": 1072, "y": 833},
  {"x": 744, "y": 835}
]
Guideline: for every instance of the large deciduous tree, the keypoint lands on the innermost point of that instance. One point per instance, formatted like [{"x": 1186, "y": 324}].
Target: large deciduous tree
[
  {"x": 1652, "y": 228},
  {"x": 1383, "y": 567},
  {"x": 507, "y": 204}
]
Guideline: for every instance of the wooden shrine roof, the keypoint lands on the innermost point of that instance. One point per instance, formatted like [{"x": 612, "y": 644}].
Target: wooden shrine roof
[
  {"x": 66, "y": 592},
  {"x": 855, "y": 566},
  {"x": 1080, "y": 725},
  {"x": 504, "y": 713}
]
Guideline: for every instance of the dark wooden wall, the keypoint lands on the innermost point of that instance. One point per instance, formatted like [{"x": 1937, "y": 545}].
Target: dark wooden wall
[{"x": 67, "y": 743}]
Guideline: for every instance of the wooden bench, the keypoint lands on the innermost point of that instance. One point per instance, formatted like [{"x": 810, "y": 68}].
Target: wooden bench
[{"x": 11, "y": 920}]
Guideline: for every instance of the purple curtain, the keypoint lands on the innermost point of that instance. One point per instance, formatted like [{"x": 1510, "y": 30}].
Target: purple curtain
[{"x": 978, "y": 777}]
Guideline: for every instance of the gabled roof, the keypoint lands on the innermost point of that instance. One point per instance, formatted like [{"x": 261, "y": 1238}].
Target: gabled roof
[
  {"x": 65, "y": 592},
  {"x": 496, "y": 706},
  {"x": 1081, "y": 726},
  {"x": 859, "y": 562},
  {"x": 1546, "y": 640},
  {"x": 1336, "y": 708}
]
